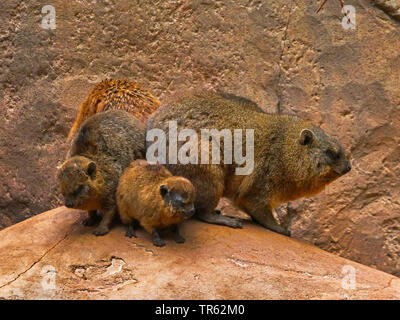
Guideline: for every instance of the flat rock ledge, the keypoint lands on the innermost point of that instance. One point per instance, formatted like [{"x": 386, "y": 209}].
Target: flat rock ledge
[{"x": 52, "y": 256}]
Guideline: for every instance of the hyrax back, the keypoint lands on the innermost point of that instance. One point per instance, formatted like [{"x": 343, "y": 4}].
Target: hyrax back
[
  {"x": 151, "y": 195},
  {"x": 292, "y": 157},
  {"x": 111, "y": 94},
  {"x": 104, "y": 146}
]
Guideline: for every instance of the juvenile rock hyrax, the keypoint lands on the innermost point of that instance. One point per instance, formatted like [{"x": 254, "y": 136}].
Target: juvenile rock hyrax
[
  {"x": 292, "y": 157},
  {"x": 105, "y": 145},
  {"x": 155, "y": 198}
]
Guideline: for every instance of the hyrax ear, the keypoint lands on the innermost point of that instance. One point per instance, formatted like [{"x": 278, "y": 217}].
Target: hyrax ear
[
  {"x": 306, "y": 137},
  {"x": 91, "y": 169},
  {"x": 163, "y": 190}
]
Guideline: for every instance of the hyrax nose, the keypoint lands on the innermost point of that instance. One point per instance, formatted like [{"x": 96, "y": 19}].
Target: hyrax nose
[
  {"x": 191, "y": 211},
  {"x": 348, "y": 167},
  {"x": 68, "y": 204}
]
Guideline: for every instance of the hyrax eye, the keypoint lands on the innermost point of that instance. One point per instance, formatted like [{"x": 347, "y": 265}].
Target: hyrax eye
[
  {"x": 78, "y": 191},
  {"x": 183, "y": 200},
  {"x": 163, "y": 190},
  {"x": 332, "y": 155}
]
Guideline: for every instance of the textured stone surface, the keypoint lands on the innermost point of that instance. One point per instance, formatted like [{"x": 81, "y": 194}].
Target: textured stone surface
[
  {"x": 53, "y": 256},
  {"x": 391, "y": 7},
  {"x": 348, "y": 82},
  {"x": 274, "y": 52}
]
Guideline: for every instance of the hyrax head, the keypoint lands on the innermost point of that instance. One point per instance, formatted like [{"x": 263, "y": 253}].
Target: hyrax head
[
  {"x": 78, "y": 180},
  {"x": 178, "y": 195},
  {"x": 318, "y": 158}
]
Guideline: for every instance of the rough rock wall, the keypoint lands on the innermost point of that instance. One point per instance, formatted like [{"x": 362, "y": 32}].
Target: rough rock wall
[
  {"x": 279, "y": 53},
  {"x": 391, "y": 7},
  {"x": 349, "y": 83}
]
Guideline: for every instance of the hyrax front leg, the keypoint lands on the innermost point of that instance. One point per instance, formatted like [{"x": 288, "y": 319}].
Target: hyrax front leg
[
  {"x": 93, "y": 219},
  {"x": 265, "y": 217},
  {"x": 104, "y": 226},
  {"x": 176, "y": 235},
  {"x": 131, "y": 230},
  {"x": 157, "y": 241},
  {"x": 260, "y": 211}
]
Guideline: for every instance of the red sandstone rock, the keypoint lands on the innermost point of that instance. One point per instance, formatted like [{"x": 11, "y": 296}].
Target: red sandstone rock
[{"x": 52, "y": 256}]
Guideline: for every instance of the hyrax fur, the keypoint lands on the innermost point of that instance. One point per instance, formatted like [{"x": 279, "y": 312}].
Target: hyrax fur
[
  {"x": 151, "y": 195},
  {"x": 292, "y": 157},
  {"x": 111, "y": 94},
  {"x": 104, "y": 146}
]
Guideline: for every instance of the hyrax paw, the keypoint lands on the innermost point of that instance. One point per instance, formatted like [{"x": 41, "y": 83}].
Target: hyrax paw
[
  {"x": 130, "y": 234},
  {"x": 101, "y": 231},
  {"x": 281, "y": 230},
  {"x": 158, "y": 243},
  {"x": 235, "y": 223},
  {"x": 287, "y": 233},
  {"x": 179, "y": 239},
  {"x": 89, "y": 222}
]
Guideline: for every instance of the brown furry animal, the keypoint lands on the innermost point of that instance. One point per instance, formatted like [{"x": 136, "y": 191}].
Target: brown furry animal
[
  {"x": 111, "y": 94},
  {"x": 292, "y": 157},
  {"x": 151, "y": 195},
  {"x": 104, "y": 146}
]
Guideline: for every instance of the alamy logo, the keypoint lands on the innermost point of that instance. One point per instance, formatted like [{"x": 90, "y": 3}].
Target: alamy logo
[
  {"x": 49, "y": 274},
  {"x": 349, "y": 279},
  {"x": 49, "y": 20},
  {"x": 188, "y": 152},
  {"x": 349, "y": 19}
]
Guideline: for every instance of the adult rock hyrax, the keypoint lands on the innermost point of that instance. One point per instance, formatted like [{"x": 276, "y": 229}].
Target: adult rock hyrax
[{"x": 292, "y": 157}]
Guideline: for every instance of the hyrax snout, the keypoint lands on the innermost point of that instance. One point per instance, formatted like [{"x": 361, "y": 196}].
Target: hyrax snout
[{"x": 79, "y": 183}]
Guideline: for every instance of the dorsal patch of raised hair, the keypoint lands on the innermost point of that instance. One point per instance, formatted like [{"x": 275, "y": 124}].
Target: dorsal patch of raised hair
[{"x": 115, "y": 94}]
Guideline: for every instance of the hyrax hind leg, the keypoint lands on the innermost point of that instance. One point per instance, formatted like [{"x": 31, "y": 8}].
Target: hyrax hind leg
[
  {"x": 176, "y": 235},
  {"x": 209, "y": 189}
]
